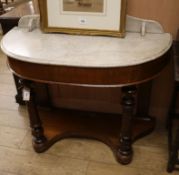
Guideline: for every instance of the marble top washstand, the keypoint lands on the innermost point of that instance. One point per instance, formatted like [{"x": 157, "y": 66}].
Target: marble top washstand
[{"x": 37, "y": 57}]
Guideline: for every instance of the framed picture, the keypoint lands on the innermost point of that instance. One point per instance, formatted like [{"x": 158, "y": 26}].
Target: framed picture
[{"x": 86, "y": 17}]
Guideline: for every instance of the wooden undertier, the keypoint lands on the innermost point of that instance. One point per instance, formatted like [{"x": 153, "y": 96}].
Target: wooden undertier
[{"x": 62, "y": 123}]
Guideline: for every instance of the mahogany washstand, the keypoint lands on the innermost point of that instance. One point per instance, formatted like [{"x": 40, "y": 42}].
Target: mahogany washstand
[{"x": 86, "y": 61}]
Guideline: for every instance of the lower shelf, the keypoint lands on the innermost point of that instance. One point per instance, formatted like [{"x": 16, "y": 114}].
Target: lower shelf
[{"x": 60, "y": 124}]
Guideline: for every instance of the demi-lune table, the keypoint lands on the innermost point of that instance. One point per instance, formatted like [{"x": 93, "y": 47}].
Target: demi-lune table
[{"x": 87, "y": 61}]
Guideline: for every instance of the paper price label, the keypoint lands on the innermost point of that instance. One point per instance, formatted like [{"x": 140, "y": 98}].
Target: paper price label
[
  {"x": 82, "y": 20},
  {"x": 26, "y": 94}
]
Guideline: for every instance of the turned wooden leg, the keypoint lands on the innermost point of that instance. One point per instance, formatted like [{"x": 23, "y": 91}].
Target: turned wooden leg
[
  {"x": 125, "y": 152},
  {"x": 39, "y": 139}
]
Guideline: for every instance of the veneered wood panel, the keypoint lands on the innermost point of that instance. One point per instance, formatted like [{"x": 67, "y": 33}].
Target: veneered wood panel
[{"x": 165, "y": 12}]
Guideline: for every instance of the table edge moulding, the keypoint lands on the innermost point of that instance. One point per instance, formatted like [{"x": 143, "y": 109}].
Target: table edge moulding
[{"x": 87, "y": 61}]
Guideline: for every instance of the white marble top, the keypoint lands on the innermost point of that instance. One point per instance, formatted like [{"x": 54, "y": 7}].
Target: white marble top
[{"x": 84, "y": 51}]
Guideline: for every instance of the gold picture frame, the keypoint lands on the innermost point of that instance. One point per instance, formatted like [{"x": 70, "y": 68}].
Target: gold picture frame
[{"x": 84, "y": 17}]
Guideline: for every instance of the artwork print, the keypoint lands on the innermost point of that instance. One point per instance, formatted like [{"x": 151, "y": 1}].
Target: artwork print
[{"x": 93, "y": 6}]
